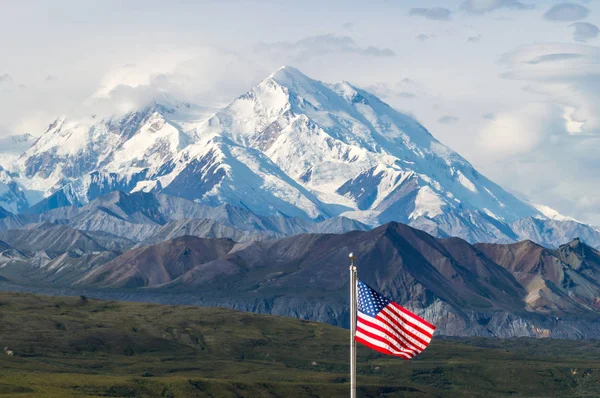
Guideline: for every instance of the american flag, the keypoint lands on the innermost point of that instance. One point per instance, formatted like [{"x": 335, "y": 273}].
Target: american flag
[{"x": 387, "y": 327}]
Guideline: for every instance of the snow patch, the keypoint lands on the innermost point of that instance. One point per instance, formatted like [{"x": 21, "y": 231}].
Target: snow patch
[
  {"x": 553, "y": 214},
  {"x": 465, "y": 182},
  {"x": 427, "y": 204}
]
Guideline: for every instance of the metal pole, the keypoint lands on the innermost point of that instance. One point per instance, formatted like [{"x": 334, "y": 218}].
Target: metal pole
[{"x": 353, "y": 305}]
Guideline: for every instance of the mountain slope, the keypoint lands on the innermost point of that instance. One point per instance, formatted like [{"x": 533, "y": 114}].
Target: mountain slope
[
  {"x": 150, "y": 218},
  {"x": 157, "y": 264},
  {"x": 58, "y": 238},
  {"x": 4, "y": 213},
  {"x": 485, "y": 290},
  {"x": 12, "y": 197},
  {"x": 563, "y": 280},
  {"x": 205, "y": 228}
]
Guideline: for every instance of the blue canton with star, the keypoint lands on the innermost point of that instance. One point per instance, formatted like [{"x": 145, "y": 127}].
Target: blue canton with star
[{"x": 369, "y": 301}]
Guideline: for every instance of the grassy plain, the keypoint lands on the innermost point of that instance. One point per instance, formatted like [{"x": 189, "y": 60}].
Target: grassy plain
[{"x": 75, "y": 347}]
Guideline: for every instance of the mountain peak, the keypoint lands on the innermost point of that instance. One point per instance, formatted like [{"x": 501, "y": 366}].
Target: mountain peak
[
  {"x": 287, "y": 72},
  {"x": 293, "y": 80},
  {"x": 576, "y": 243}
]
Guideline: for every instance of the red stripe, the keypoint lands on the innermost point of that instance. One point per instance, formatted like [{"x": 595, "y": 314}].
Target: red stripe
[
  {"x": 401, "y": 339},
  {"x": 395, "y": 325},
  {"x": 400, "y": 325},
  {"x": 377, "y": 348},
  {"x": 408, "y": 322},
  {"x": 406, "y": 343},
  {"x": 385, "y": 341},
  {"x": 414, "y": 316}
]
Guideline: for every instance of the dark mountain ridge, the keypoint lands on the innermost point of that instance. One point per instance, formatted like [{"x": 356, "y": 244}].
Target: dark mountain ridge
[{"x": 519, "y": 289}]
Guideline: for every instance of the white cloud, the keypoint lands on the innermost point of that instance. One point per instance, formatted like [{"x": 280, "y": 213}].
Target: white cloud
[
  {"x": 485, "y": 6},
  {"x": 584, "y": 31},
  {"x": 549, "y": 149},
  {"x": 567, "y": 12},
  {"x": 423, "y": 37},
  {"x": 521, "y": 131},
  {"x": 435, "y": 13},
  {"x": 405, "y": 94},
  {"x": 206, "y": 75},
  {"x": 568, "y": 74},
  {"x": 403, "y": 89},
  {"x": 6, "y": 78},
  {"x": 448, "y": 119},
  {"x": 315, "y": 46}
]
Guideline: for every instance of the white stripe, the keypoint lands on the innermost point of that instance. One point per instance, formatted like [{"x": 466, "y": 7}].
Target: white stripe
[
  {"x": 388, "y": 313},
  {"x": 411, "y": 319},
  {"x": 388, "y": 338},
  {"x": 381, "y": 344},
  {"x": 401, "y": 334},
  {"x": 417, "y": 344},
  {"x": 388, "y": 316}
]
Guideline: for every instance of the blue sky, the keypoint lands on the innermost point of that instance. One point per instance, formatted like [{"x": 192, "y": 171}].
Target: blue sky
[{"x": 513, "y": 86}]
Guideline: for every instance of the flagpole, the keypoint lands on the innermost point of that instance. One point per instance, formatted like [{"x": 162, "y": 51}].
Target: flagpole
[{"x": 353, "y": 305}]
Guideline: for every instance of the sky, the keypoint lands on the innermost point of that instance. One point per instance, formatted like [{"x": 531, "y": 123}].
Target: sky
[{"x": 511, "y": 85}]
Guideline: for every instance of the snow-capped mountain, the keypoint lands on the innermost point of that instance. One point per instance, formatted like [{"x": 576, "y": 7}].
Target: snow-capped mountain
[
  {"x": 292, "y": 146},
  {"x": 81, "y": 153},
  {"x": 356, "y": 155},
  {"x": 12, "y": 197}
]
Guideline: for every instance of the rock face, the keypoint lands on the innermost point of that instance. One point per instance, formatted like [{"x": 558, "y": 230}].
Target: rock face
[
  {"x": 12, "y": 197},
  {"x": 150, "y": 218},
  {"x": 157, "y": 264},
  {"x": 475, "y": 290},
  {"x": 290, "y": 147},
  {"x": 4, "y": 213},
  {"x": 565, "y": 280}
]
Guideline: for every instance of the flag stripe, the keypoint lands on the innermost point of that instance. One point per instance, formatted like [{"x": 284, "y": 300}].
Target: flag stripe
[
  {"x": 392, "y": 347},
  {"x": 418, "y": 343},
  {"x": 385, "y": 328},
  {"x": 410, "y": 327},
  {"x": 414, "y": 318},
  {"x": 379, "y": 335},
  {"x": 379, "y": 346},
  {"x": 394, "y": 330},
  {"x": 373, "y": 346},
  {"x": 400, "y": 324}
]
